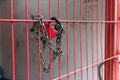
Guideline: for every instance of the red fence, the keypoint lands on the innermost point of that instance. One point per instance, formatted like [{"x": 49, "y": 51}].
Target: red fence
[{"x": 105, "y": 26}]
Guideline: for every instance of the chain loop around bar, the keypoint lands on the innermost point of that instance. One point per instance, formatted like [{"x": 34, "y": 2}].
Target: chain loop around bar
[{"x": 46, "y": 41}]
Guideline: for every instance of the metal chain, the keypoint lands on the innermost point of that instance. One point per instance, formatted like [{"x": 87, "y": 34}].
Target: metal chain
[{"x": 46, "y": 41}]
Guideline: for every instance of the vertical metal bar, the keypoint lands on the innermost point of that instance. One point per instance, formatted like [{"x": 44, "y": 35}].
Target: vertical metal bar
[
  {"x": 97, "y": 33},
  {"x": 101, "y": 35},
  {"x": 27, "y": 44},
  {"x": 67, "y": 40},
  {"x": 92, "y": 40},
  {"x": 106, "y": 52},
  {"x": 109, "y": 44},
  {"x": 59, "y": 64},
  {"x": 87, "y": 37},
  {"x": 81, "y": 38},
  {"x": 74, "y": 16},
  {"x": 111, "y": 40},
  {"x": 49, "y": 7},
  {"x": 118, "y": 37},
  {"x": 58, "y": 8},
  {"x": 74, "y": 51},
  {"x": 50, "y": 53},
  {"x": 38, "y": 7},
  {"x": 116, "y": 25},
  {"x": 50, "y": 58},
  {"x": 117, "y": 40},
  {"x": 39, "y": 56},
  {"x": 12, "y": 40},
  {"x": 117, "y": 14},
  {"x": 101, "y": 44},
  {"x": 115, "y": 62},
  {"x": 13, "y": 59},
  {"x": 97, "y": 45},
  {"x": 116, "y": 70}
]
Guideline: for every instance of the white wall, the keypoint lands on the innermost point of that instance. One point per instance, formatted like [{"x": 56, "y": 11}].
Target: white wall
[{"x": 20, "y": 64}]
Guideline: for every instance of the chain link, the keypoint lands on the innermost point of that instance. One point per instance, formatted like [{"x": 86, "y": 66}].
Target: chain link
[{"x": 46, "y": 41}]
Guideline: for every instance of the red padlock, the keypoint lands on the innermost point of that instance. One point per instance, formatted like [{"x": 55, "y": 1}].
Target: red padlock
[{"x": 50, "y": 30}]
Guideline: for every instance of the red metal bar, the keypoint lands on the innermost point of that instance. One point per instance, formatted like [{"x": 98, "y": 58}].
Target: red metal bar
[
  {"x": 97, "y": 45},
  {"x": 74, "y": 51},
  {"x": 39, "y": 56},
  {"x": 67, "y": 40},
  {"x": 12, "y": 43},
  {"x": 116, "y": 61},
  {"x": 64, "y": 21},
  {"x": 111, "y": 40},
  {"x": 13, "y": 59},
  {"x": 11, "y": 9},
  {"x": 89, "y": 66},
  {"x": 38, "y": 7},
  {"x": 92, "y": 40},
  {"x": 109, "y": 65},
  {"x": 102, "y": 55},
  {"x": 97, "y": 33},
  {"x": 116, "y": 70},
  {"x": 50, "y": 59},
  {"x": 74, "y": 17},
  {"x": 27, "y": 44},
  {"x": 81, "y": 51},
  {"x": 117, "y": 40},
  {"x": 50, "y": 53},
  {"x": 87, "y": 38},
  {"x": 106, "y": 25},
  {"x": 59, "y": 62},
  {"x": 109, "y": 44},
  {"x": 101, "y": 35},
  {"x": 117, "y": 15},
  {"x": 49, "y": 7},
  {"x": 58, "y": 8}
]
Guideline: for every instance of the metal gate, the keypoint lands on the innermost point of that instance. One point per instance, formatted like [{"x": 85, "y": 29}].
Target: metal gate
[{"x": 91, "y": 38}]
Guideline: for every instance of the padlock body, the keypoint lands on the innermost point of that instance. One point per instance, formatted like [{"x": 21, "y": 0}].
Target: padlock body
[{"x": 50, "y": 30}]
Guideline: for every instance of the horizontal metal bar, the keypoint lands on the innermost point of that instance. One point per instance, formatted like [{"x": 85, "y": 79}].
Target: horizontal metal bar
[
  {"x": 64, "y": 21},
  {"x": 89, "y": 66}
]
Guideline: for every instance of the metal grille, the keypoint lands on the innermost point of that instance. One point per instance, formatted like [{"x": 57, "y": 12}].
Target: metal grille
[{"x": 91, "y": 38}]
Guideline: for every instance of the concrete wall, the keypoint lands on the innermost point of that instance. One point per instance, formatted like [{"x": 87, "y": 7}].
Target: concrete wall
[{"x": 20, "y": 64}]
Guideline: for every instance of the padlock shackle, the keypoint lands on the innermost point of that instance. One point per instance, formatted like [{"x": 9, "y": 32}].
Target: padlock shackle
[{"x": 56, "y": 20}]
